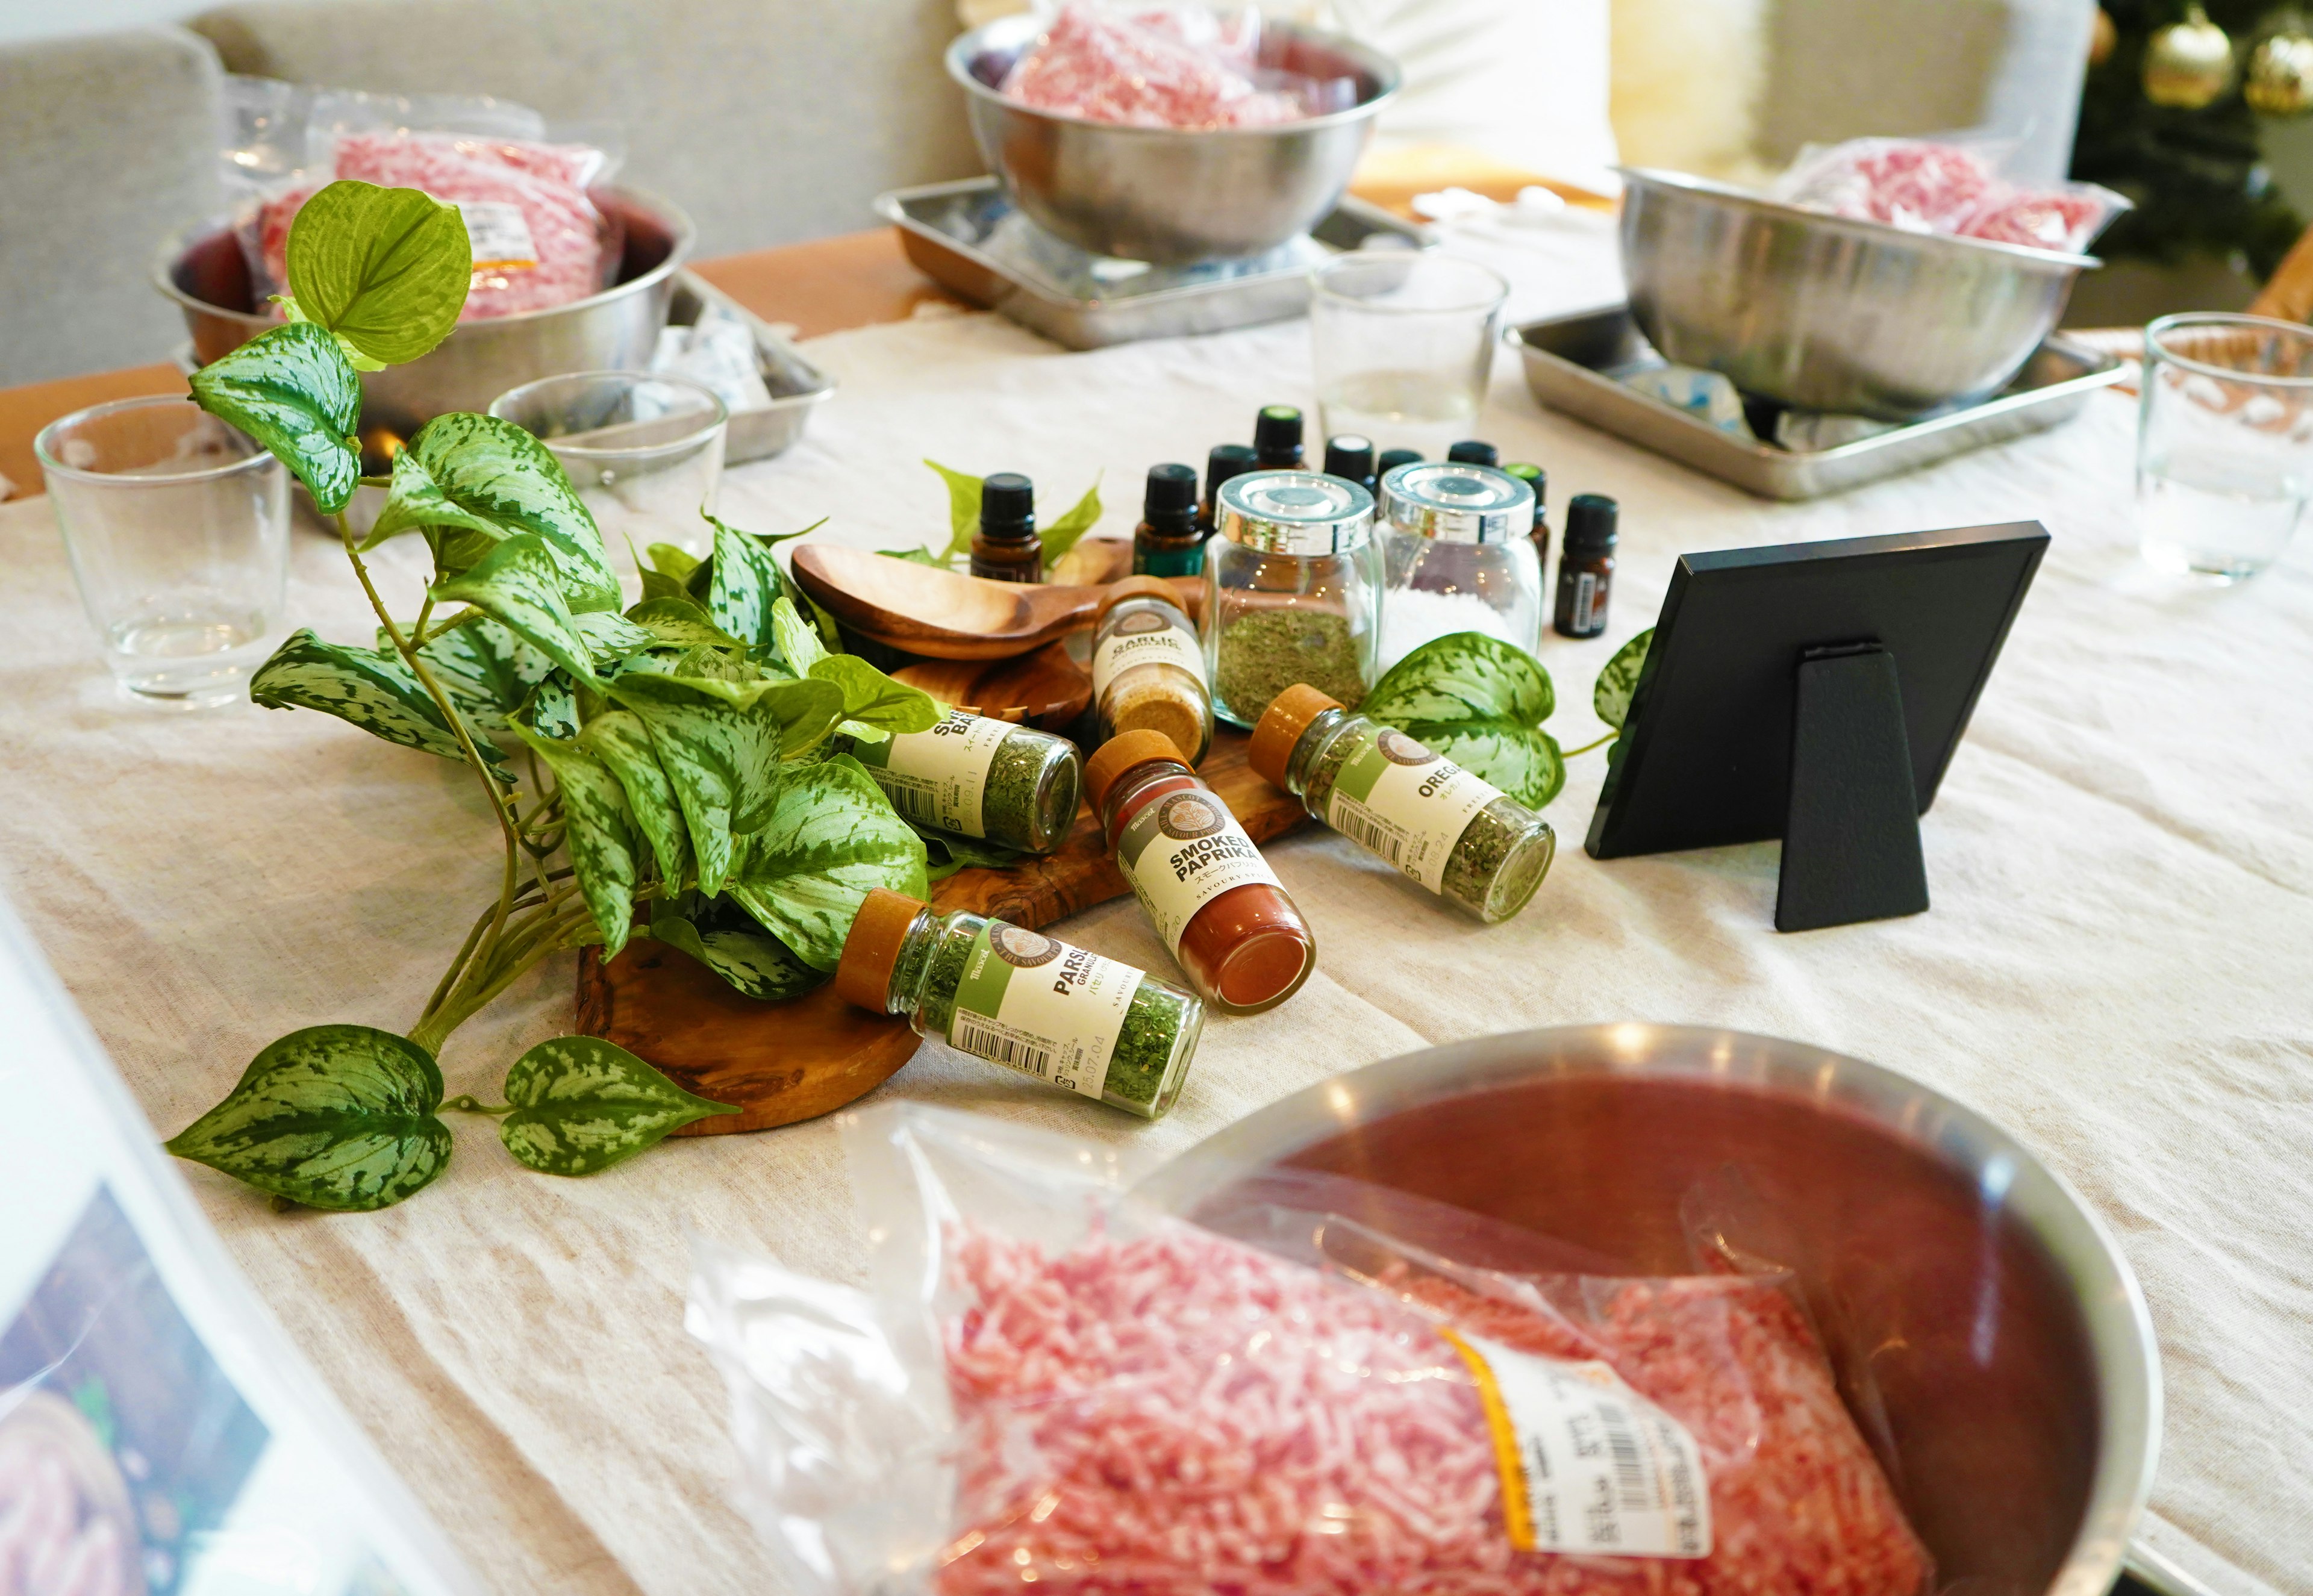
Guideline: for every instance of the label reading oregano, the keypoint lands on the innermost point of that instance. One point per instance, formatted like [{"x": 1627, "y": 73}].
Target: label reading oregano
[
  {"x": 1141, "y": 638},
  {"x": 1407, "y": 805},
  {"x": 939, "y": 777},
  {"x": 1180, "y": 852},
  {"x": 1040, "y": 1006}
]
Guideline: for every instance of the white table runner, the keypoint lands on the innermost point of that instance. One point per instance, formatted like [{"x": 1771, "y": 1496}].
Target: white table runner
[{"x": 2119, "y": 965}]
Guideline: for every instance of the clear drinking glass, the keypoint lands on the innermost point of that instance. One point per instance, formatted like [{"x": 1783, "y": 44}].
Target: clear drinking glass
[
  {"x": 1405, "y": 341},
  {"x": 2224, "y": 443},
  {"x": 178, "y": 529},
  {"x": 646, "y": 452}
]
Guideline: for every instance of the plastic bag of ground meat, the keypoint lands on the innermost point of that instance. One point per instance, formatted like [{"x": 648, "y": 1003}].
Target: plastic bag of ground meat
[
  {"x": 1164, "y": 65},
  {"x": 1051, "y": 1384},
  {"x": 1953, "y": 188}
]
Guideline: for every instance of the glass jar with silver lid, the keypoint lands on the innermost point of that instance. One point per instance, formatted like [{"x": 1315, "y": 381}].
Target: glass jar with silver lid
[
  {"x": 1457, "y": 554},
  {"x": 1289, "y": 578}
]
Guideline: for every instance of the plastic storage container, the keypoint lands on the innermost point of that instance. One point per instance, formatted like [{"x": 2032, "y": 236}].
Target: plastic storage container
[
  {"x": 1149, "y": 668},
  {"x": 1457, "y": 554},
  {"x": 1289, "y": 579}
]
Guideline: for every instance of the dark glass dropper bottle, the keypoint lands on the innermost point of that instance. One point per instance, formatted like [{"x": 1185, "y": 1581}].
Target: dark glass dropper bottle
[
  {"x": 1586, "y": 566},
  {"x": 1277, "y": 438},
  {"x": 1226, "y": 461},
  {"x": 1007, "y": 548},
  {"x": 1166, "y": 542},
  {"x": 1475, "y": 451},
  {"x": 1350, "y": 456}
]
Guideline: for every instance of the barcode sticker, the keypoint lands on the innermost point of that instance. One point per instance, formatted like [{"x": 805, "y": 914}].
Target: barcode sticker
[
  {"x": 937, "y": 778},
  {"x": 1042, "y": 1007},
  {"x": 1001, "y": 1044},
  {"x": 1587, "y": 1464},
  {"x": 499, "y": 235},
  {"x": 1369, "y": 830},
  {"x": 1396, "y": 798}
]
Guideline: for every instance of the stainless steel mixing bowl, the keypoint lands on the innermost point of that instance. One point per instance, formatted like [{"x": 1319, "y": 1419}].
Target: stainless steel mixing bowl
[
  {"x": 1856, "y": 318},
  {"x": 1162, "y": 194},
  {"x": 2014, "y": 1364},
  {"x": 207, "y": 275}
]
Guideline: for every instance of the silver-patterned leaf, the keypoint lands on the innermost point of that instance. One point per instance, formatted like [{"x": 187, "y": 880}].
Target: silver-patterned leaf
[
  {"x": 677, "y": 622},
  {"x": 751, "y": 962},
  {"x": 1611, "y": 697},
  {"x": 1522, "y": 761},
  {"x": 1466, "y": 676},
  {"x": 872, "y": 700},
  {"x": 831, "y": 836},
  {"x": 598, "y": 833},
  {"x": 517, "y": 586},
  {"x": 370, "y": 689},
  {"x": 799, "y": 645},
  {"x": 293, "y": 389},
  {"x": 487, "y": 670},
  {"x": 582, "y": 1104},
  {"x": 743, "y": 583},
  {"x": 610, "y": 636},
  {"x": 621, "y": 740},
  {"x": 721, "y": 744},
  {"x": 333, "y": 1117}
]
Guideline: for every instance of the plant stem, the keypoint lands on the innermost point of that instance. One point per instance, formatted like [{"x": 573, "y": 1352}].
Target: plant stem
[
  {"x": 1568, "y": 753},
  {"x": 465, "y": 1104}
]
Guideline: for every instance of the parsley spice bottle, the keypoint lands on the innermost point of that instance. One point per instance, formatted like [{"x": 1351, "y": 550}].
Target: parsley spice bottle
[
  {"x": 1005, "y": 547},
  {"x": 1166, "y": 542},
  {"x": 1014, "y": 785},
  {"x": 1015, "y": 997},
  {"x": 1148, "y": 669},
  {"x": 1481, "y": 851},
  {"x": 1203, "y": 885},
  {"x": 1586, "y": 566}
]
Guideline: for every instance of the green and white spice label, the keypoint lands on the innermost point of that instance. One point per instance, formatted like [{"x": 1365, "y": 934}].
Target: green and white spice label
[
  {"x": 1141, "y": 638},
  {"x": 939, "y": 777},
  {"x": 1399, "y": 801},
  {"x": 1042, "y": 1007},
  {"x": 1180, "y": 852}
]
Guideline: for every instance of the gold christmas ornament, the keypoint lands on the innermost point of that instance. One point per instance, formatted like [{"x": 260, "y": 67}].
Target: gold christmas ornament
[
  {"x": 2280, "y": 81},
  {"x": 2188, "y": 65},
  {"x": 2102, "y": 36}
]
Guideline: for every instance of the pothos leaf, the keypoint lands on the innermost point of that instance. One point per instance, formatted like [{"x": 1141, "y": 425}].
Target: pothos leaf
[
  {"x": 470, "y": 482},
  {"x": 1610, "y": 698},
  {"x": 487, "y": 670},
  {"x": 745, "y": 582},
  {"x": 674, "y": 564},
  {"x": 873, "y": 700},
  {"x": 920, "y": 556},
  {"x": 621, "y": 740},
  {"x": 373, "y": 690},
  {"x": 293, "y": 389},
  {"x": 1522, "y": 761},
  {"x": 679, "y": 623},
  {"x": 944, "y": 854},
  {"x": 598, "y": 830},
  {"x": 962, "y": 513},
  {"x": 334, "y": 1117},
  {"x": 1466, "y": 676},
  {"x": 831, "y": 836},
  {"x": 386, "y": 269},
  {"x": 516, "y": 585},
  {"x": 1061, "y": 536},
  {"x": 799, "y": 644},
  {"x": 749, "y": 961},
  {"x": 582, "y": 1104}
]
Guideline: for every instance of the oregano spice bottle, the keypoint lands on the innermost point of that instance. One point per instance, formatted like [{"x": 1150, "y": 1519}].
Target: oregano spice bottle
[
  {"x": 1014, "y": 785},
  {"x": 1069, "y": 1018},
  {"x": 1201, "y": 880}
]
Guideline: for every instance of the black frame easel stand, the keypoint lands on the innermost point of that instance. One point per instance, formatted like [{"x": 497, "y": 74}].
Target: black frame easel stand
[{"x": 1852, "y": 835}]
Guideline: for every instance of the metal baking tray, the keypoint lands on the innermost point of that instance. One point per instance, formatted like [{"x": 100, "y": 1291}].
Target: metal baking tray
[
  {"x": 797, "y": 387},
  {"x": 968, "y": 237},
  {"x": 1567, "y": 358}
]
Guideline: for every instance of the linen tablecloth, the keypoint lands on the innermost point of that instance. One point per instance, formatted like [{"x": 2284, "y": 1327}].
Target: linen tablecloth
[{"x": 2118, "y": 967}]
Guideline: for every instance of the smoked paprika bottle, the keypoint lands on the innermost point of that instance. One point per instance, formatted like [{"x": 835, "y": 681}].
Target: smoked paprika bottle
[{"x": 1203, "y": 885}]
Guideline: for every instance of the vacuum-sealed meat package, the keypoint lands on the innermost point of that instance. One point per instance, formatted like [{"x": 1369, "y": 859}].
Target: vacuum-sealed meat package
[
  {"x": 1148, "y": 66},
  {"x": 1924, "y": 186},
  {"x": 1055, "y": 1386}
]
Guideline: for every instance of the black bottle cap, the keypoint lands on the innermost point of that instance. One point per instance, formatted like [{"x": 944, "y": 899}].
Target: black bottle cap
[
  {"x": 1590, "y": 522},
  {"x": 1351, "y": 455},
  {"x": 1171, "y": 495},
  {"x": 1226, "y": 461},
  {"x": 1391, "y": 459},
  {"x": 1475, "y": 451},
  {"x": 1533, "y": 476},
  {"x": 1277, "y": 436},
  {"x": 1007, "y": 506}
]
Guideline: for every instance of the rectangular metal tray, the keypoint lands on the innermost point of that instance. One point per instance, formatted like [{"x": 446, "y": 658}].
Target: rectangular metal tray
[
  {"x": 797, "y": 387},
  {"x": 967, "y": 237},
  {"x": 1567, "y": 358}
]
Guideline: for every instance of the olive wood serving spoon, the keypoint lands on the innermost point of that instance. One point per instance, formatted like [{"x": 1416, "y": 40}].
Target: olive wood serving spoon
[
  {"x": 1044, "y": 688},
  {"x": 922, "y": 610}
]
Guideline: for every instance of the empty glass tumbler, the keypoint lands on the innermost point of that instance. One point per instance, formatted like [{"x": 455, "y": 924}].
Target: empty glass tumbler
[
  {"x": 2224, "y": 443},
  {"x": 177, "y": 526},
  {"x": 1404, "y": 342}
]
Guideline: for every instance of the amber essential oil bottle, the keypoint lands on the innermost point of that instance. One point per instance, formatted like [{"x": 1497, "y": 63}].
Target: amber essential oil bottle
[
  {"x": 1586, "y": 569},
  {"x": 1007, "y": 548}
]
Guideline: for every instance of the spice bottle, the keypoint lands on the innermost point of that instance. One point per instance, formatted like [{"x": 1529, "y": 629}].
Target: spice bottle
[
  {"x": 1005, "y": 547},
  {"x": 1016, "y": 786},
  {"x": 1351, "y": 455},
  {"x": 1015, "y": 997},
  {"x": 1389, "y": 459},
  {"x": 1586, "y": 566},
  {"x": 1456, "y": 556},
  {"x": 1166, "y": 542},
  {"x": 1203, "y": 885},
  {"x": 1277, "y": 438},
  {"x": 1288, "y": 591},
  {"x": 1473, "y": 451},
  {"x": 1481, "y": 851},
  {"x": 1538, "y": 480},
  {"x": 1225, "y": 461},
  {"x": 1148, "y": 669}
]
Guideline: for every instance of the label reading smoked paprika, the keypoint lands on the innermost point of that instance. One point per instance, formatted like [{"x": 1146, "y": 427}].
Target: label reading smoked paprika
[
  {"x": 1180, "y": 852},
  {"x": 1398, "y": 800}
]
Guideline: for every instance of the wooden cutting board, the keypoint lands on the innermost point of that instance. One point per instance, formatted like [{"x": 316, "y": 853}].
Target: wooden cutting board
[{"x": 781, "y": 1062}]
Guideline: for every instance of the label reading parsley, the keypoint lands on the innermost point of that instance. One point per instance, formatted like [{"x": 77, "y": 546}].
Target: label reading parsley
[
  {"x": 1403, "y": 803},
  {"x": 1042, "y": 1007},
  {"x": 1141, "y": 638},
  {"x": 1180, "y": 852},
  {"x": 937, "y": 778}
]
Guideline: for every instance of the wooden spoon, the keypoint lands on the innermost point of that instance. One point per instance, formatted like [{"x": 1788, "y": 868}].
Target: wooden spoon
[
  {"x": 925, "y": 610},
  {"x": 1044, "y": 688}
]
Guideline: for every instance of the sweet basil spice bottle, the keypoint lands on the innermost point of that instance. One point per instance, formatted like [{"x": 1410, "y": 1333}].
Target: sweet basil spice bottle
[
  {"x": 1013, "y": 786},
  {"x": 1005, "y": 547}
]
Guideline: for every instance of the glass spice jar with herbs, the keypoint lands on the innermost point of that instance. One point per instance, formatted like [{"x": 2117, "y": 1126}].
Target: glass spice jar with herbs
[
  {"x": 1481, "y": 851},
  {"x": 1148, "y": 667},
  {"x": 1204, "y": 886},
  {"x": 1014, "y": 785},
  {"x": 1018, "y": 998},
  {"x": 1289, "y": 581}
]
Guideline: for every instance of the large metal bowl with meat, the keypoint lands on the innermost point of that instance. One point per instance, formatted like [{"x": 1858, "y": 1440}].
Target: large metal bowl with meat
[
  {"x": 2009, "y": 1360},
  {"x": 206, "y": 274},
  {"x": 1167, "y": 195}
]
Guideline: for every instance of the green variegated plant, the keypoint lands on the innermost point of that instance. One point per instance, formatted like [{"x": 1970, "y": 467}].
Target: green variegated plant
[{"x": 679, "y": 754}]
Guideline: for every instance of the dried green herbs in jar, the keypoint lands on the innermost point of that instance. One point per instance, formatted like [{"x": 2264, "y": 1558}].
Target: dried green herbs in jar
[
  {"x": 1431, "y": 819},
  {"x": 1262, "y": 655},
  {"x": 978, "y": 777},
  {"x": 1017, "y": 998},
  {"x": 1290, "y": 582}
]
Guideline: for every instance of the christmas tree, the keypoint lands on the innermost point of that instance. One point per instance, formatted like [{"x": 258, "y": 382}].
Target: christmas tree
[{"x": 2168, "y": 116}]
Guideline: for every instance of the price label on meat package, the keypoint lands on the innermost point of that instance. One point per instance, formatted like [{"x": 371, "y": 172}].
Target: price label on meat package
[
  {"x": 937, "y": 778},
  {"x": 1587, "y": 1464},
  {"x": 1042, "y": 1007},
  {"x": 1143, "y": 637},
  {"x": 1406, "y": 805},
  {"x": 1180, "y": 852},
  {"x": 499, "y": 235}
]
